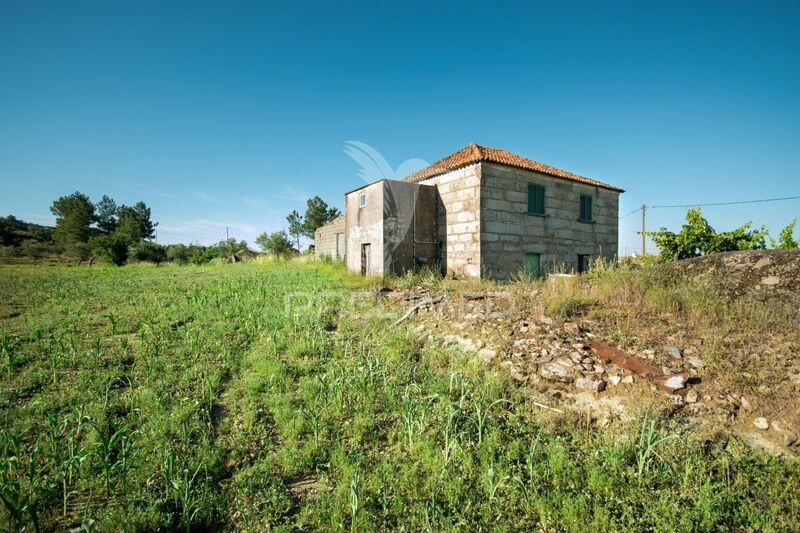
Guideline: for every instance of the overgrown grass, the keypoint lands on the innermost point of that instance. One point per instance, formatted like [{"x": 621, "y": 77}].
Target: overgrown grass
[{"x": 255, "y": 396}]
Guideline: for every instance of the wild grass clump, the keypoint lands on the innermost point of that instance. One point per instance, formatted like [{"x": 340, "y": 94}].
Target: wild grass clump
[
  {"x": 424, "y": 276},
  {"x": 566, "y": 297}
]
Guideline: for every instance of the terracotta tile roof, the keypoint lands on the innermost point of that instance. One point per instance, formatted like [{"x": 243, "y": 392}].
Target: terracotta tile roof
[{"x": 475, "y": 153}]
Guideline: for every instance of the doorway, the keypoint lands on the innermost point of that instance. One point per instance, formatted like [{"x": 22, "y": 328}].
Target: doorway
[
  {"x": 365, "y": 259},
  {"x": 532, "y": 264}
]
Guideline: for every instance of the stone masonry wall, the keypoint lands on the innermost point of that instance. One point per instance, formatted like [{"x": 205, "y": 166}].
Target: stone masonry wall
[
  {"x": 508, "y": 231},
  {"x": 325, "y": 239},
  {"x": 458, "y": 220}
]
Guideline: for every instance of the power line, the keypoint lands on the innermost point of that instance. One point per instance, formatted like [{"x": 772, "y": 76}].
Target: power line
[
  {"x": 711, "y": 204},
  {"x": 632, "y": 212},
  {"x": 727, "y": 203}
]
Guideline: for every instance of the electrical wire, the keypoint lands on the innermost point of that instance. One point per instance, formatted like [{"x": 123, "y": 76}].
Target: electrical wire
[{"x": 711, "y": 204}]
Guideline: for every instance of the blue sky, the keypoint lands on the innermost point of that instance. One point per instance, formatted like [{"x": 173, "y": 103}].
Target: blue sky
[{"x": 231, "y": 114}]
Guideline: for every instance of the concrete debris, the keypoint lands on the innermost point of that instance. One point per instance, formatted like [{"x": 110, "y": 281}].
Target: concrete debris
[
  {"x": 761, "y": 423},
  {"x": 670, "y": 383},
  {"x": 555, "y": 372},
  {"x": 614, "y": 380},
  {"x": 590, "y": 384},
  {"x": 695, "y": 362},
  {"x": 673, "y": 353},
  {"x": 691, "y": 396}
]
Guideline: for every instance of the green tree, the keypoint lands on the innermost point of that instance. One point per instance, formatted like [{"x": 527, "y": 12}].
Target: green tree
[
  {"x": 106, "y": 217},
  {"x": 277, "y": 243},
  {"x": 295, "y": 221},
  {"x": 317, "y": 214},
  {"x": 135, "y": 223},
  {"x": 697, "y": 237},
  {"x": 74, "y": 214},
  {"x": 231, "y": 249},
  {"x": 112, "y": 248},
  {"x": 786, "y": 238}
]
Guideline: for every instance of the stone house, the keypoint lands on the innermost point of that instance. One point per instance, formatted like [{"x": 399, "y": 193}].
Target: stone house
[{"x": 479, "y": 212}]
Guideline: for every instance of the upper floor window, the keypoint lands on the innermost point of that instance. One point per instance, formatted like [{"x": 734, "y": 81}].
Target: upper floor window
[
  {"x": 362, "y": 199},
  {"x": 535, "y": 199},
  {"x": 586, "y": 208}
]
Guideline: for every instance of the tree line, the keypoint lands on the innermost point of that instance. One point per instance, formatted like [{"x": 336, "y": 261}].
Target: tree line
[{"x": 87, "y": 231}]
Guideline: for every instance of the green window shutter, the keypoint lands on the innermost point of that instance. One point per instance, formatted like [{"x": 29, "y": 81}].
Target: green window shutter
[
  {"x": 535, "y": 199},
  {"x": 586, "y": 207}
]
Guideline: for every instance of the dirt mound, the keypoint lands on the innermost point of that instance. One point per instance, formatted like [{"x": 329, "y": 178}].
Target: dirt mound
[{"x": 751, "y": 274}]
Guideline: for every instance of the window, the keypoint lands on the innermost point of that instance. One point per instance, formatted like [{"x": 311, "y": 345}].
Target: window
[
  {"x": 584, "y": 261},
  {"x": 535, "y": 199},
  {"x": 586, "y": 208},
  {"x": 362, "y": 199}
]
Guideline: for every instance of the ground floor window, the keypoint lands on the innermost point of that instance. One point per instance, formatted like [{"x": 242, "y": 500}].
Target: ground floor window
[{"x": 533, "y": 264}]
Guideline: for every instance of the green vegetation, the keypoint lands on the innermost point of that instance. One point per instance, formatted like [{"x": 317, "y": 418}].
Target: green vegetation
[
  {"x": 272, "y": 396},
  {"x": 277, "y": 244},
  {"x": 786, "y": 240},
  {"x": 697, "y": 237}
]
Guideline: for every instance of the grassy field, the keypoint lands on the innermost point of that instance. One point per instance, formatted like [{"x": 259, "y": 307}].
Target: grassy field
[{"x": 259, "y": 397}]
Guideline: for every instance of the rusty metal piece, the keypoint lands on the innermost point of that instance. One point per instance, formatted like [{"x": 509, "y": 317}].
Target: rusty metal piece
[
  {"x": 609, "y": 354},
  {"x": 665, "y": 382}
]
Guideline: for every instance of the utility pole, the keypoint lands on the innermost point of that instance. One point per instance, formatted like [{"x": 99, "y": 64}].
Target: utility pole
[
  {"x": 226, "y": 232},
  {"x": 644, "y": 251}
]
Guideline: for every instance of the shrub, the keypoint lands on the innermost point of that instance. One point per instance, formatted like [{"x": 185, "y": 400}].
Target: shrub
[
  {"x": 111, "y": 248},
  {"x": 178, "y": 253},
  {"x": 148, "y": 251}
]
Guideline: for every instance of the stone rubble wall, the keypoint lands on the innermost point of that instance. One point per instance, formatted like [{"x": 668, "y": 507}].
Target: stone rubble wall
[
  {"x": 508, "y": 231},
  {"x": 458, "y": 220}
]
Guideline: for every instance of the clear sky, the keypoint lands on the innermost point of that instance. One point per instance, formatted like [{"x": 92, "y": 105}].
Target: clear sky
[{"x": 231, "y": 113}]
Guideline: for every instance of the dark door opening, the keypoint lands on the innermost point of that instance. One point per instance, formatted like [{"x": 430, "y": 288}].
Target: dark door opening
[
  {"x": 584, "y": 262},
  {"x": 365, "y": 259}
]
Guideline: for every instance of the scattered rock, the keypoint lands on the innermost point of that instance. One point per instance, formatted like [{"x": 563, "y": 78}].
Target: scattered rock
[
  {"x": 789, "y": 437},
  {"x": 746, "y": 405},
  {"x": 695, "y": 362},
  {"x": 590, "y": 384},
  {"x": 614, "y": 380},
  {"x": 795, "y": 378},
  {"x": 673, "y": 352},
  {"x": 628, "y": 380},
  {"x": 691, "y": 396},
  {"x": 670, "y": 383},
  {"x": 770, "y": 280},
  {"x": 487, "y": 354},
  {"x": 676, "y": 399},
  {"x": 514, "y": 371},
  {"x": 572, "y": 327},
  {"x": 555, "y": 372},
  {"x": 761, "y": 423}
]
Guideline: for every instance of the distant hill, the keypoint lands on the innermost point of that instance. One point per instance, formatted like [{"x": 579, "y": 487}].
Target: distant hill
[{"x": 14, "y": 231}]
